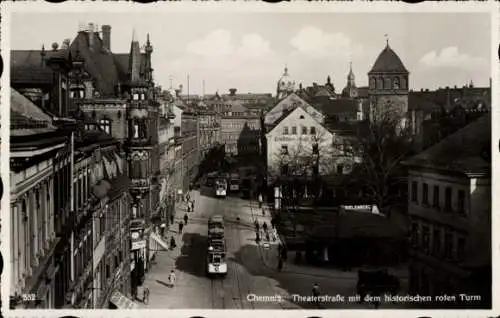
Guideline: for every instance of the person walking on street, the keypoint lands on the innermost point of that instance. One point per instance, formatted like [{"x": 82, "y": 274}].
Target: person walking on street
[
  {"x": 186, "y": 218},
  {"x": 257, "y": 226},
  {"x": 171, "y": 219},
  {"x": 260, "y": 200},
  {"x": 172, "y": 243},
  {"x": 188, "y": 197},
  {"x": 171, "y": 278},
  {"x": 181, "y": 226},
  {"x": 315, "y": 292},
  {"x": 264, "y": 226}
]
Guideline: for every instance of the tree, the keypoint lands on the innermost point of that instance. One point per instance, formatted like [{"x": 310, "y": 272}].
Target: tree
[{"x": 382, "y": 143}]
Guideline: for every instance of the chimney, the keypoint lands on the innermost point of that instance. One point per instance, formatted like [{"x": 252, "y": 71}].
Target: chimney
[
  {"x": 91, "y": 35},
  {"x": 232, "y": 91},
  {"x": 55, "y": 46},
  {"x": 106, "y": 37}
]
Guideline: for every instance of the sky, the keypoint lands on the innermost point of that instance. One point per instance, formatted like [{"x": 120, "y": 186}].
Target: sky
[{"x": 249, "y": 51}]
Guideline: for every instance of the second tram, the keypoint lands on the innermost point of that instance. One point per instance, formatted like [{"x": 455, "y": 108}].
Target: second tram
[{"x": 216, "y": 254}]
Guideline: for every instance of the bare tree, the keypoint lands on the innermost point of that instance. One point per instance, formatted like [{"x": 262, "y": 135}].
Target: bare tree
[{"x": 381, "y": 143}]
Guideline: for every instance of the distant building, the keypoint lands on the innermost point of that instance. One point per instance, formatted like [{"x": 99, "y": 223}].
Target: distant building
[
  {"x": 240, "y": 129},
  {"x": 449, "y": 188}
]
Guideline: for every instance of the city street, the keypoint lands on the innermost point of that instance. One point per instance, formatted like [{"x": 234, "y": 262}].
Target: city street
[{"x": 251, "y": 267}]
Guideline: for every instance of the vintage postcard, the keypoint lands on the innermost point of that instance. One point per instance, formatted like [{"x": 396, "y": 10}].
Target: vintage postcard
[{"x": 241, "y": 156}]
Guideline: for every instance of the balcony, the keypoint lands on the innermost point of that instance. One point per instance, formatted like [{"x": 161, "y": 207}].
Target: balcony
[
  {"x": 140, "y": 184},
  {"x": 145, "y": 142}
]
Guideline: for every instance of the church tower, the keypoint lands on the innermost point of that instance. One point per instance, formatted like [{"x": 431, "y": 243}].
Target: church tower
[
  {"x": 388, "y": 85},
  {"x": 286, "y": 85},
  {"x": 350, "y": 91}
]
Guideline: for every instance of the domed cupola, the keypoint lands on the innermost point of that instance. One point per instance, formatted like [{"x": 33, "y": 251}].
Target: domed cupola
[
  {"x": 286, "y": 85},
  {"x": 350, "y": 91},
  {"x": 388, "y": 73}
]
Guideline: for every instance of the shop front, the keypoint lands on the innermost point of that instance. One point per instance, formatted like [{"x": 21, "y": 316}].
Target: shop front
[{"x": 138, "y": 251}]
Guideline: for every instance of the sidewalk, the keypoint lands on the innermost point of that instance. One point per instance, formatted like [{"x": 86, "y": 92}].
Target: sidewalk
[
  {"x": 156, "y": 279},
  {"x": 271, "y": 261}
]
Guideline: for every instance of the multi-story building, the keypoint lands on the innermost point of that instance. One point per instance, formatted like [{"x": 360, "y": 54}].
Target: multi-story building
[
  {"x": 121, "y": 97},
  {"x": 34, "y": 204},
  {"x": 209, "y": 137},
  {"x": 189, "y": 133},
  {"x": 167, "y": 158},
  {"x": 449, "y": 206},
  {"x": 121, "y": 104},
  {"x": 240, "y": 129}
]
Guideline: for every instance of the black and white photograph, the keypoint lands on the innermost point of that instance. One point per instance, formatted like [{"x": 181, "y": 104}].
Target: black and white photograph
[{"x": 212, "y": 159}]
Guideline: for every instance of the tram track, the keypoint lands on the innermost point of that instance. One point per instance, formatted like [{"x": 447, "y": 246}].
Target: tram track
[{"x": 241, "y": 293}]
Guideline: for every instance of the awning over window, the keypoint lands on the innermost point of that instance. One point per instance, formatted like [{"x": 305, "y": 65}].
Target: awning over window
[
  {"x": 159, "y": 240},
  {"x": 122, "y": 302}
]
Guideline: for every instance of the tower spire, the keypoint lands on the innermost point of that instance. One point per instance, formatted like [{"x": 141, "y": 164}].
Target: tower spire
[
  {"x": 133, "y": 34},
  {"x": 386, "y": 39}
]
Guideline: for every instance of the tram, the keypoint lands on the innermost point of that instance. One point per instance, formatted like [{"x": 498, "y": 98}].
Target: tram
[
  {"x": 220, "y": 187},
  {"x": 216, "y": 253}
]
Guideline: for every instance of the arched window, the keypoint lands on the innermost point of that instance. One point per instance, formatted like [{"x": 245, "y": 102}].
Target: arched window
[
  {"x": 372, "y": 82},
  {"x": 396, "y": 83},
  {"x": 387, "y": 83},
  {"x": 403, "y": 83},
  {"x": 380, "y": 83}
]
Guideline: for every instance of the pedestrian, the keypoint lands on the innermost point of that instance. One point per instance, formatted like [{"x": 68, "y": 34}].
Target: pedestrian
[
  {"x": 264, "y": 226},
  {"x": 257, "y": 226},
  {"x": 171, "y": 219},
  {"x": 315, "y": 292},
  {"x": 171, "y": 278},
  {"x": 260, "y": 200},
  {"x": 185, "y": 218},
  {"x": 162, "y": 229},
  {"x": 188, "y": 197},
  {"x": 181, "y": 226},
  {"x": 172, "y": 243}
]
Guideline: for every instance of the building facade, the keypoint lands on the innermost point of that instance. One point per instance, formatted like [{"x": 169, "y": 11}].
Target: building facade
[
  {"x": 240, "y": 129},
  {"x": 33, "y": 224},
  {"x": 190, "y": 131},
  {"x": 449, "y": 206}
]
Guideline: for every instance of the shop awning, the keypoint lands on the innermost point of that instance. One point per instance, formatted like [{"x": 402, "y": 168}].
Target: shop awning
[
  {"x": 122, "y": 302},
  {"x": 159, "y": 240}
]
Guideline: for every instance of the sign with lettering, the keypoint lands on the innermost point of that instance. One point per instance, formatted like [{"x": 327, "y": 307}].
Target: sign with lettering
[
  {"x": 138, "y": 245},
  {"x": 361, "y": 208}
]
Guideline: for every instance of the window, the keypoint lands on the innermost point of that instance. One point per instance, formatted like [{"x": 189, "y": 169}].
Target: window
[
  {"x": 414, "y": 191},
  {"x": 460, "y": 249},
  {"x": 461, "y": 201},
  {"x": 436, "y": 241},
  {"x": 105, "y": 125},
  {"x": 372, "y": 83},
  {"x": 340, "y": 169},
  {"x": 447, "y": 199},
  {"x": 448, "y": 246},
  {"x": 294, "y": 130},
  {"x": 435, "y": 199},
  {"x": 425, "y": 194},
  {"x": 284, "y": 149},
  {"x": 135, "y": 96},
  {"x": 313, "y": 130},
  {"x": 304, "y": 130},
  {"x": 301, "y": 117},
  {"x": 285, "y": 131},
  {"x": 315, "y": 149},
  {"x": 396, "y": 83},
  {"x": 143, "y": 96}
]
